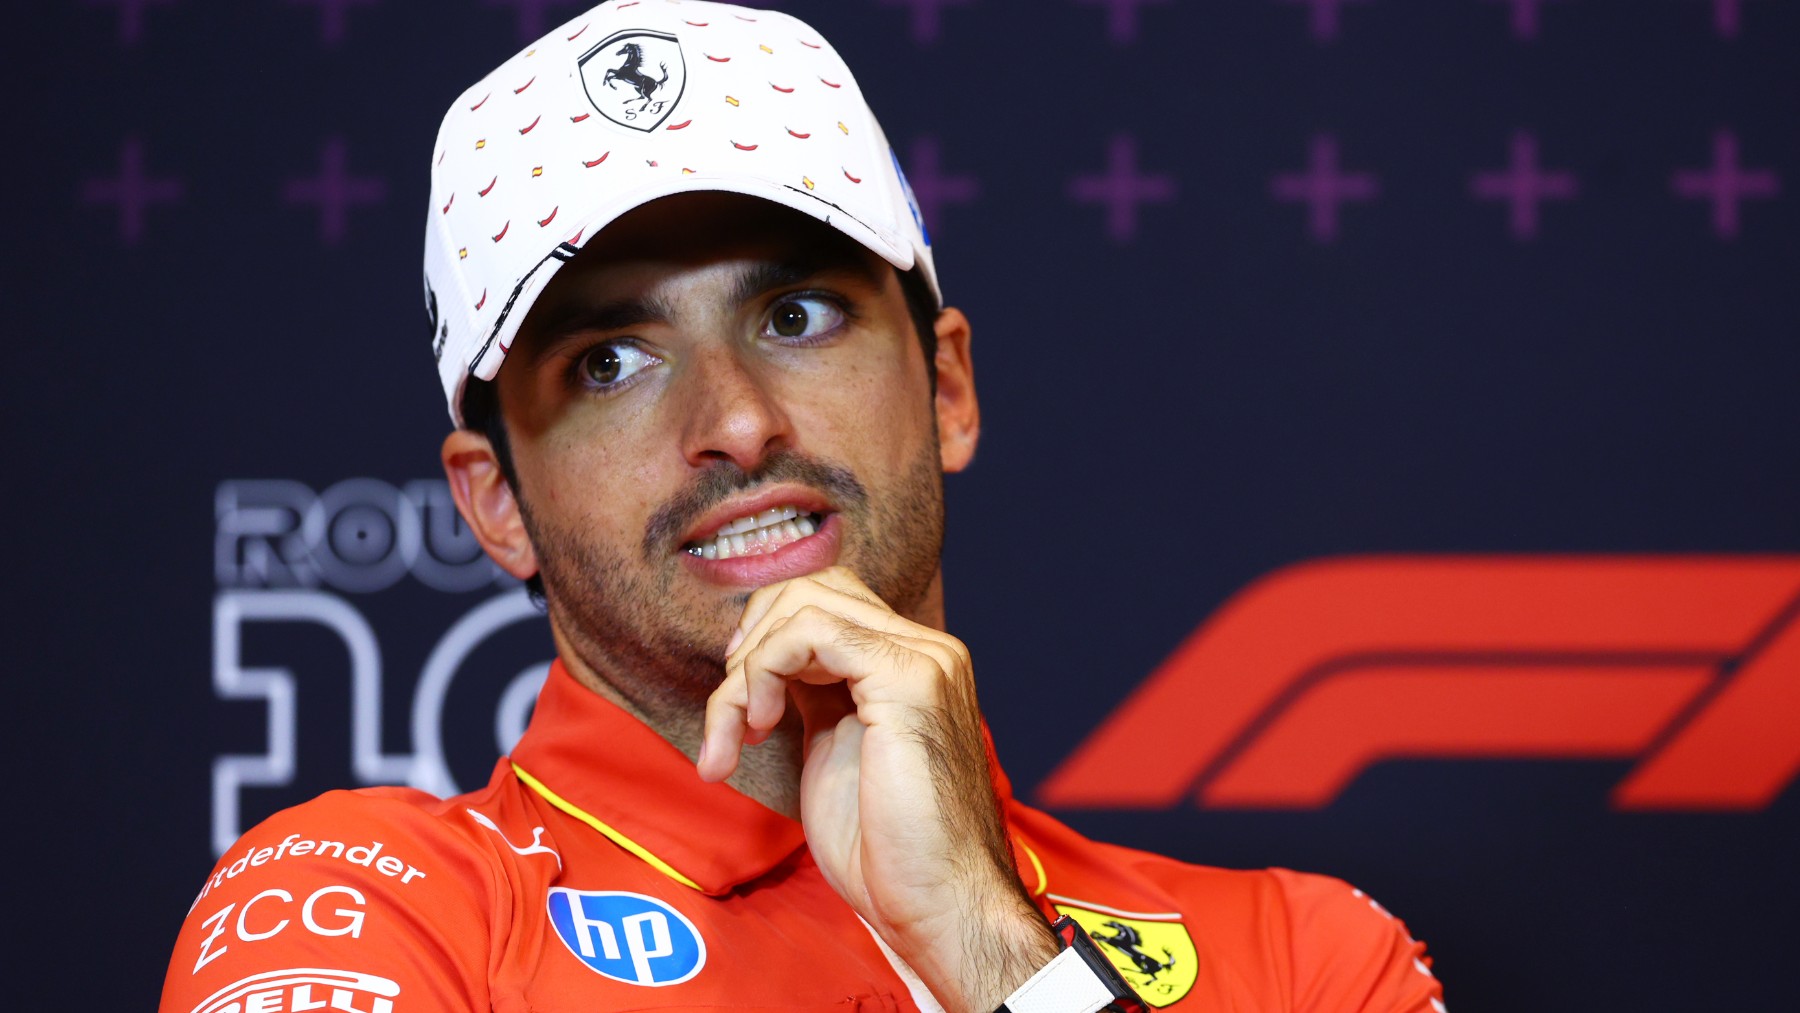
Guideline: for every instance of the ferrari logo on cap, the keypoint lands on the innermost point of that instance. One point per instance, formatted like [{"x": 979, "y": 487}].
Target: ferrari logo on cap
[
  {"x": 635, "y": 78},
  {"x": 1153, "y": 952}
]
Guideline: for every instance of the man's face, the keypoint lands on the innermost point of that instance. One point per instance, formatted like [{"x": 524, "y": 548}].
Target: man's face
[{"x": 717, "y": 394}]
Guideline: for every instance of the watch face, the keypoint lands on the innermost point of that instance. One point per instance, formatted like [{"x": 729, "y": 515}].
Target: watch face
[{"x": 1152, "y": 952}]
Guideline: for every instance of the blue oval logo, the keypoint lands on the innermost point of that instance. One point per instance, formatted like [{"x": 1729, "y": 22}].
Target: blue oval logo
[
  {"x": 912, "y": 202},
  {"x": 627, "y": 936}
]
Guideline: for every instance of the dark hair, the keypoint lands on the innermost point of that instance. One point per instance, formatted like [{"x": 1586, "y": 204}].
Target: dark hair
[{"x": 481, "y": 398}]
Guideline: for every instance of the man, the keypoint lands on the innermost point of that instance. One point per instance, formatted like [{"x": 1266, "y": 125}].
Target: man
[{"x": 757, "y": 775}]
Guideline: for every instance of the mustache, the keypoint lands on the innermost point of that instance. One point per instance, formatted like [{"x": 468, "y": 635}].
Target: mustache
[{"x": 724, "y": 479}]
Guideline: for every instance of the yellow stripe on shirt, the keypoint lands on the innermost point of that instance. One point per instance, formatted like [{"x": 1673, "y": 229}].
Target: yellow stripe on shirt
[{"x": 613, "y": 835}]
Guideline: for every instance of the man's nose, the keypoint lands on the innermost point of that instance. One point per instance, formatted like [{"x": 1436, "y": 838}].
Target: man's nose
[{"x": 730, "y": 411}]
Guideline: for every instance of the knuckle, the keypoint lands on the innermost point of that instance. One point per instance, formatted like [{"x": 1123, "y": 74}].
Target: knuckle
[
  {"x": 931, "y": 661},
  {"x": 794, "y": 592},
  {"x": 959, "y": 651}
]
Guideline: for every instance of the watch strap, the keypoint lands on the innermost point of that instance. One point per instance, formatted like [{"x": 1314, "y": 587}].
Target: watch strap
[{"x": 1077, "y": 980}]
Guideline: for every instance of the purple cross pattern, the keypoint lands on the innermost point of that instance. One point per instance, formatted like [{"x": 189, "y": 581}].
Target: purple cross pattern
[
  {"x": 1725, "y": 184},
  {"x": 1324, "y": 187},
  {"x": 1121, "y": 16},
  {"x": 1523, "y": 185},
  {"x": 1524, "y": 16},
  {"x": 530, "y": 14},
  {"x": 132, "y": 190},
  {"x": 927, "y": 20},
  {"x": 333, "y": 17},
  {"x": 1325, "y": 16},
  {"x": 335, "y": 191},
  {"x": 131, "y": 16},
  {"x": 1728, "y": 17},
  {"x": 931, "y": 188},
  {"x": 1122, "y": 188}
]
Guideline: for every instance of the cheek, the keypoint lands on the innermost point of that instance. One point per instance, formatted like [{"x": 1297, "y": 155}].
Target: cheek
[
  {"x": 591, "y": 481},
  {"x": 876, "y": 406},
  {"x": 897, "y": 403}
]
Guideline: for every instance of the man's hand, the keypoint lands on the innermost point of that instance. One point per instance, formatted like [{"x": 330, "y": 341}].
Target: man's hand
[{"x": 895, "y": 794}]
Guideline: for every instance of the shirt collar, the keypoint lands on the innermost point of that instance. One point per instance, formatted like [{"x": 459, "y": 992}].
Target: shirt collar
[{"x": 600, "y": 764}]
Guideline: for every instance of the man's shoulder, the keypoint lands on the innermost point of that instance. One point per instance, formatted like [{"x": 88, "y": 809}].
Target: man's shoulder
[
  {"x": 1069, "y": 864},
  {"x": 355, "y": 892},
  {"x": 1308, "y": 899},
  {"x": 389, "y": 837},
  {"x": 1311, "y": 940}
]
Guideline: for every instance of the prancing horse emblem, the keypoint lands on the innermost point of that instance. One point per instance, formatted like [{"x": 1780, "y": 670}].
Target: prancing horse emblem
[
  {"x": 1126, "y": 940},
  {"x": 632, "y": 73},
  {"x": 635, "y": 78},
  {"x": 1154, "y": 952}
]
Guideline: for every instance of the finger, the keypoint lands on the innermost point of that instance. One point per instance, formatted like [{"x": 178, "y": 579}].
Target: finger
[
  {"x": 947, "y": 651},
  {"x": 722, "y": 735},
  {"x": 816, "y": 646},
  {"x": 845, "y": 581},
  {"x": 766, "y": 696},
  {"x": 842, "y": 598},
  {"x": 756, "y": 608},
  {"x": 764, "y": 600},
  {"x": 742, "y": 711},
  {"x": 771, "y": 604}
]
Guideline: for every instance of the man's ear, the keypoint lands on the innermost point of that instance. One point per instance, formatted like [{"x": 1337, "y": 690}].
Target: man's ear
[
  {"x": 958, "y": 413},
  {"x": 486, "y": 502}
]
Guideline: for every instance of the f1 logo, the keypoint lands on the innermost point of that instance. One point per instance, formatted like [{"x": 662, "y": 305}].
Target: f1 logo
[{"x": 1307, "y": 677}]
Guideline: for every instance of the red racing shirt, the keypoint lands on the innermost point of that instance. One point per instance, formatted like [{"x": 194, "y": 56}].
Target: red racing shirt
[{"x": 596, "y": 871}]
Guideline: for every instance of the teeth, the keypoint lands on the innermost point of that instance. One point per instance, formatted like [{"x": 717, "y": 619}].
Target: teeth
[{"x": 757, "y": 534}]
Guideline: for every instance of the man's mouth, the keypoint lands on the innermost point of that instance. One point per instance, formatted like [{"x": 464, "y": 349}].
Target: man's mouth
[{"x": 757, "y": 534}]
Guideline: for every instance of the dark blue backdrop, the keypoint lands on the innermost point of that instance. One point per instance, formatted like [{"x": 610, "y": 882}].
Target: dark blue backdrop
[{"x": 1333, "y": 320}]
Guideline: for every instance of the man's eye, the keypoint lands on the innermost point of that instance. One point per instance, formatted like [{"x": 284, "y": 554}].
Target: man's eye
[
  {"x": 804, "y": 318},
  {"x": 608, "y": 364}
]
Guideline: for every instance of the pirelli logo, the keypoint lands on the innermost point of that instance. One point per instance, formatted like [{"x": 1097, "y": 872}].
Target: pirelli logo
[
  {"x": 304, "y": 988},
  {"x": 1688, "y": 665}
]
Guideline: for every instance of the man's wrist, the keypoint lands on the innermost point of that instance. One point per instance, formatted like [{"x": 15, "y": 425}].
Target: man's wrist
[
  {"x": 974, "y": 966},
  {"x": 1080, "y": 979}
]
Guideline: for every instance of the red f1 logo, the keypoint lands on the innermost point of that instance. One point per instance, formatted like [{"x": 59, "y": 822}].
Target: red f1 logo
[{"x": 1302, "y": 680}]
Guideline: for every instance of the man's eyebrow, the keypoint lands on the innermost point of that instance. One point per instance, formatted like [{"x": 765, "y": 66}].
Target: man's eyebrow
[
  {"x": 766, "y": 276},
  {"x": 609, "y": 316},
  {"x": 751, "y": 283}
]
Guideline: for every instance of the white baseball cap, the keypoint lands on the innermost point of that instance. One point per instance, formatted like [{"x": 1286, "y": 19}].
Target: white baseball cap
[{"x": 625, "y": 104}]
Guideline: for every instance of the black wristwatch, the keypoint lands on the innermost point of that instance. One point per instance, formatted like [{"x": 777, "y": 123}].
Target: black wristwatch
[{"x": 1078, "y": 980}]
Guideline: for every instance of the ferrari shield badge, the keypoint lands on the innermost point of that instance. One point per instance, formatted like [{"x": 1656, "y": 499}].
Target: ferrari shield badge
[
  {"x": 1154, "y": 953},
  {"x": 635, "y": 78}
]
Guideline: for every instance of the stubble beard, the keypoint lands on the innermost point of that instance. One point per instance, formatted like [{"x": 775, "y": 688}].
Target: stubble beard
[{"x": 660, "y": 644}]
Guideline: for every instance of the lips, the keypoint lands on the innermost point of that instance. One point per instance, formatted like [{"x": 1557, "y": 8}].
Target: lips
[
  {"x": 760, "y": 518},
  {"x": 758, "y": 534},
  {"x": 768, "y": 563}
]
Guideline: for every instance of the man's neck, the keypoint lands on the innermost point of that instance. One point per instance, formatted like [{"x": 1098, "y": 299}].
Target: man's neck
[{"x": 768, "y": 773}]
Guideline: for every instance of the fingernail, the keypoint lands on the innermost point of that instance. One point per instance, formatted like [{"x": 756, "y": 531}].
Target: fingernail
[
  {"x": 700, "y": 762},
  {"x": 737, "y": 637}
]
